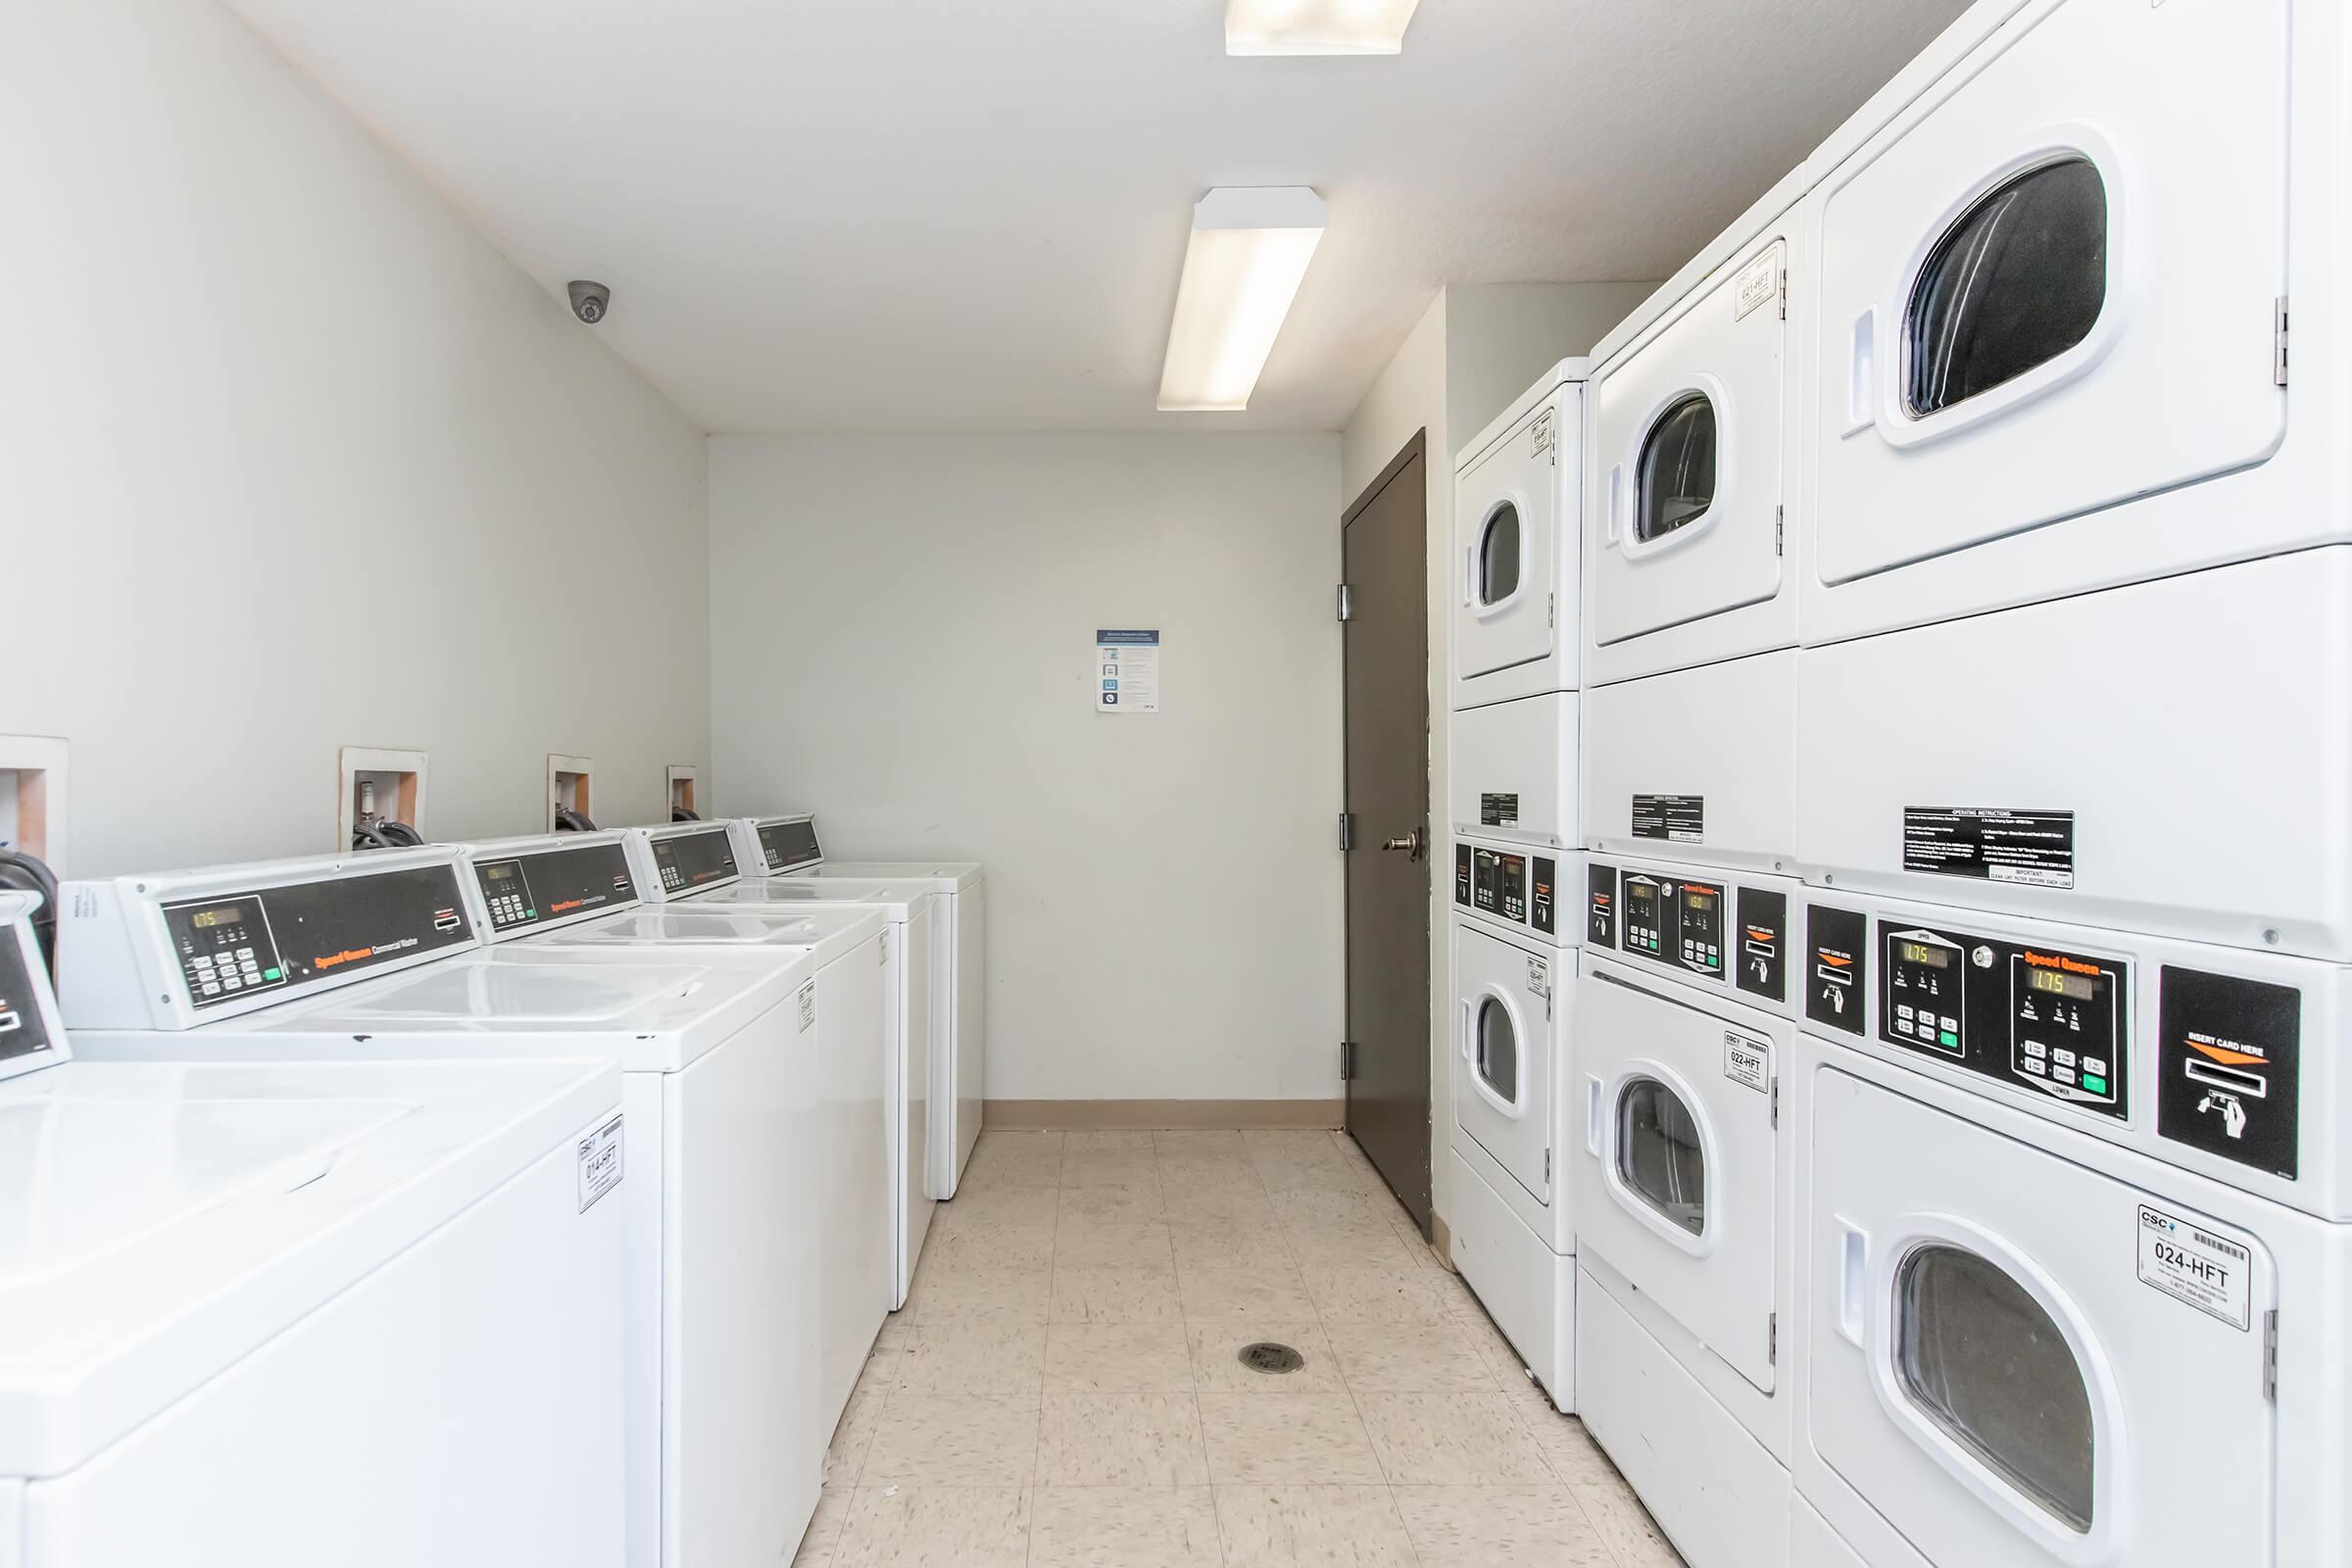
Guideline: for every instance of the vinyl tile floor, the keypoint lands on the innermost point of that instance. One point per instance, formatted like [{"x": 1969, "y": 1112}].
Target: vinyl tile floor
[{"x": 1064, "y": 1388}]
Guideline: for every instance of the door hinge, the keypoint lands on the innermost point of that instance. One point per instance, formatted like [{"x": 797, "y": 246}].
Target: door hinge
[
  {"x": 1776, "y": 1100},
  {"x": 1772, "y": 1339},
  {"x": 2279, "y": 340},
  {"x": 1347, "y": 606},
  {"x": 1346, "y": 1060},
  {"x": 1783, "y": 293},
  {"x": 2270, "y": 1356},
  {"x": 1346, "y": 830},
  {"x": 1547, "y": 1167},
  {"x": 1551, "y": 610},
  {"x": 1780, "y": 527}
]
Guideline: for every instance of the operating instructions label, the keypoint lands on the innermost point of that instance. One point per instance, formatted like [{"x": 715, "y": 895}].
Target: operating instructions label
[
  {"x": 1681, "y": 818},
  {"x": 1126, "y": 671},
  {"x": 2189, "y": 1263},
  {"x": 2032, "y": 848}
]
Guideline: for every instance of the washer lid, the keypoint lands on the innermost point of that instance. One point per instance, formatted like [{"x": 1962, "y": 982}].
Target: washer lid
[
  {"x": 951, "y": 876},
  {"x": 158, "y": 1223},
  {"x": 895, "y": 897},
  {"x": 827, "y": 932}
]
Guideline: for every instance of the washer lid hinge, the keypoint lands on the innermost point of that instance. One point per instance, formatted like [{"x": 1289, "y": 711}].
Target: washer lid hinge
[{"x": 2279, "y": 340}]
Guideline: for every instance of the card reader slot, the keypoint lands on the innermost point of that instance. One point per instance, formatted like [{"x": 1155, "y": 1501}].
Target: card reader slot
[{"x": 2233, "y": 1079}]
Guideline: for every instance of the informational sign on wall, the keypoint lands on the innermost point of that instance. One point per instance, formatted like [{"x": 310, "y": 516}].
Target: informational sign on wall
[{"x": 1126, "y": 671}]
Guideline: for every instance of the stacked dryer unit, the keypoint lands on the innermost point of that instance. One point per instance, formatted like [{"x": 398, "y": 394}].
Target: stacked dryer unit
[
  {"x": 1684, "y": 1200},
  {"x": 1512, "y": 765},
  {"x": 2074, "y": 795}
]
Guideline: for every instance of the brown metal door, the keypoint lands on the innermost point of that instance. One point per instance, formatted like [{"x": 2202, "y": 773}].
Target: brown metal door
[{"x": 1385, "y": 636}]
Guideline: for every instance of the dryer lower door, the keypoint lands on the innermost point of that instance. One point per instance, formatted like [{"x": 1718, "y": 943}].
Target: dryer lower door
[
  {"x": 2019, "y": 1360},
  {"x": 1508, "y": 1026},
  {"x": 1679, "y": 1180}
]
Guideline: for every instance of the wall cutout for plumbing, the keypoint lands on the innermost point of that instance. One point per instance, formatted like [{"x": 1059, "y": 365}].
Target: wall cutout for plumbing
[
  {"x": 33, "y": 796},
  {"x": 685, "y": 790},
  {"x": 379, "y": 786},
  {"x": 567, "y": 787}
]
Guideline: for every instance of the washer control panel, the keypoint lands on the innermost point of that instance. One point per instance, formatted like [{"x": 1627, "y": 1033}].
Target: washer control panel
[
  {"x": 23, "y": 1009},
  {"x": 788, "y": 842},
  {"x": 2027, "y": 1015},
  {"x": 528, "y": 892},
  {"x": 230, "y": 946},
  {"x": 689, "y": 860},
  {"x": 1675, "y": 921}
]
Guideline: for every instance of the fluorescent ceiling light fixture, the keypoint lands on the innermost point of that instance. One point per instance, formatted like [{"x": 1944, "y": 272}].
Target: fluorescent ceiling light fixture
[
  {"x": 1317, "y": 27},
  {"x": 1242, "y": 268}
]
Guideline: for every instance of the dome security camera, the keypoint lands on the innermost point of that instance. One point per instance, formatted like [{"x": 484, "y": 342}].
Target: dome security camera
[{"x": 590, "y": 301}]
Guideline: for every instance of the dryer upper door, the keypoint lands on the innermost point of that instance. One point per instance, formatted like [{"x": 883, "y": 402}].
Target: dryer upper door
[
  {"x": 1506, "y": 545},
  {"x": 1687, "y": 457},
  {"x": 1679, "y": 1174},
  {"x": 2056, "y": 290},
  {"x": 2003, "y": 1346},
  {"x": 1506, "y": 1007}
]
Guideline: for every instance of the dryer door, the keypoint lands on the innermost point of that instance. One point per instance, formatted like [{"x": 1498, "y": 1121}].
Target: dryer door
[
  {"x": 1688, "y": 459},
  {"x": 2055, "y": 292},
  {"x": 1505, "y": 1022},
  {"x": 2004, "y": 1344},
  {"x": 1679, "y": 1169},
  {"x": 1507, "y": 540}
]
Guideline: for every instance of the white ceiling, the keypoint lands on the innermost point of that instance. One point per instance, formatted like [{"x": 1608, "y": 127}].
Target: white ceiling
[{"x": 970, "y": 214}]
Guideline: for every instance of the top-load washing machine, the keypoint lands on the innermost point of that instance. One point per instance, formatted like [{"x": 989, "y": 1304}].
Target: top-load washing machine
[
  {"x": 1679, "y": 1191},
  {"x": 2076, "y": 329},
  {"x": 276, "y": 1316},
  {"x": 1518, "y": 495},
  {"x": 788, "y": 845},
  {"x": 1509, "y": 1079},
  {"x": 2073, "y": 1264},
  {"x": 910, "y": 905},
  {"x": 374, "y": 959},
  {"x": 848, "y": 1003}
]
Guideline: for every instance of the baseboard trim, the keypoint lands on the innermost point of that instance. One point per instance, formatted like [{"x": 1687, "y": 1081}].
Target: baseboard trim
[
  {"x": 1440, "y": 1239},
  {"x": 1160, "y": 1115}
]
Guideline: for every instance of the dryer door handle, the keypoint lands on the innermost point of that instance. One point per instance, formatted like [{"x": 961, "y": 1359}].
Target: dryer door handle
[
  {"x": 1853, "y": 1274},
  {"x": 1862, "y": 374},
  {"x": 1616, "y": 505},
  {"x": 1593, "y": 1113}
]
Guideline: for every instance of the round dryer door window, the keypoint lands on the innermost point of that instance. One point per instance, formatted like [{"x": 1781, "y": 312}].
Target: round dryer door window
[
  {"x": 1658, "y": 1153},
  {"x": 1498, "y": 1051},
  {"x": 1500, "y": 554},
  {"x": 1977, "y": 1355},
  {"x": 2020, "y": 279},
  {"x": 1677, "y": 472}
]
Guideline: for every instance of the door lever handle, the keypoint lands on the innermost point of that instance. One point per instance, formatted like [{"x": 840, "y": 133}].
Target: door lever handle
[{"x": 1410, "y": 844}]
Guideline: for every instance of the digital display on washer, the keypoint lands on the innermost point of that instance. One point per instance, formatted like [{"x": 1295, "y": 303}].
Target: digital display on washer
[
  {"x": 1698, "y": 927},
  {"x": 693, "y": 860},
  {"x": 1642, "y": 921},
  {"x": 2047, "y": 1019}
]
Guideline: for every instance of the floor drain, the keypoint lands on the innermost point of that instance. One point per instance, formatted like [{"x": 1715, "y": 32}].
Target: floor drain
[{"x": 1266, "y": 1356}]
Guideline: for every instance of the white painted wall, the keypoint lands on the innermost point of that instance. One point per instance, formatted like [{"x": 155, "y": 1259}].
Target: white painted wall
[
  {"x": 901, "y": 638},
  {"x": 291, "y": 457},
  {"x": 1478, "y": 347}
]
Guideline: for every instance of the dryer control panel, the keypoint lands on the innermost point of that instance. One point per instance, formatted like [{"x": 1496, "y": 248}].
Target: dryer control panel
[
  {"x": 2034, "y": 1016},
  {"x": 1510, "y": 886},
  {"x": 1675, "y": 921},
  {"x": 232, "y": 945}
]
